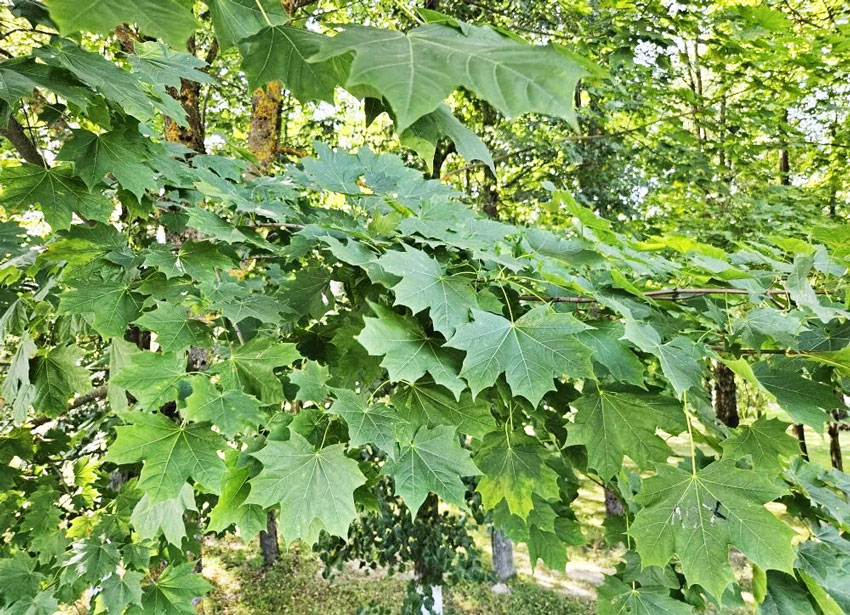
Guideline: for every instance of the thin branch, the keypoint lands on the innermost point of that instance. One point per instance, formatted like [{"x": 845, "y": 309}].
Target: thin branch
[
  {"x": 666, "y": 294},
  {"x": 94, "y": 394}
]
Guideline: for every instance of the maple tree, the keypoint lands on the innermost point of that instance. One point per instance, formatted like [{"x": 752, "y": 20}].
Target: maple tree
[{"x": 361, "y": 329}]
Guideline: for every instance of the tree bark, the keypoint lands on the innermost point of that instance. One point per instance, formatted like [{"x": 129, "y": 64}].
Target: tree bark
[
  {"x": 268, "y": 541},
  {"x": 265, "y": 127},
  {"x": 725, "y": 395},
  {"x": 18, "y": 138},
  {"x": 800, "y": 430},
  {"x": 784, "y": 161},
  {"x": 503, "y": 556},
  {"x": 189, "y": 96},
  {"x": 262, "y": 143},
  {"x": 613, "y": 504},
  {"x": 835, "y": 446}
]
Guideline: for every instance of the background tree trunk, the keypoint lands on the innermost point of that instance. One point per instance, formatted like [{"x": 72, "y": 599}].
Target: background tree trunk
[
  {"x": 503, "y": 560},
  {"x": 263, "y": 143},
  {"x": 613, "y": 504},
  {"x": 268, "y": 541},
  {"x": 725, "y": 395}
]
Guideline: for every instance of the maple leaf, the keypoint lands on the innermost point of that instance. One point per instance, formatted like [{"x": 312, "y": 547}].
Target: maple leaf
[
  {"x": 232, "y": 411},
  {"x": 425, "y": 285},
  {"x": 172, "y": 592},
  {"x": 618, "y": 598},
  {"x": 150, "y": 518},
  {"x": 431, "y": 460},
  {"x": 514, "y": 468},
  {"x": 174, "y": 329},
  {"x": 611, "y": 425},
  {"x": 231, "y": 508},
  {"x": 530, "y": 351},
  {"x": 110, "y": 301},
  {"x": 432, "y": 405},
  {"x": 408, "y": 351},
  {"x": 250, "y": 367},
  {"x": 367, "y": 423},
  {"x": 171, "y": 454},
  {"x": 765, "y": 441},
  {"x": 315, "y": 488},
  {"x": 152, "y": 377},
  {"x": 699, "y": 516}
]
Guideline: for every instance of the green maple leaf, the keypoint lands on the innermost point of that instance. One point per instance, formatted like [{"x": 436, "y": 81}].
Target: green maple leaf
[
  {"x": 367, "y": 423},
  {"x": 514, "y": 468},
  {"x": 17, "y": 390},
  {"x": 197, "y": 259},
  {"x": 432, "y": 405},
  {"x": 151, "y": 518},
  {"x": 315, "y": 488},
  {"x": 171, "y": 454},
  {"x": 153, "y": 378},
  {"x": 765, "y": 441},
  {"x": 231, "y": 411},
  {"x": 618, "y": 598},
  {"x": 119, "y": 591},
  {"x": 408, "y": 351},
  {"x": 110, "y": 301},
  {"x": 231, "y": 508},
  {"x": 172, "y": 592},
  {"x": 93, "y": 558},
  {"x": 235, "y": 20},
  {"x": 612, "y": 425},
  {"x": 312, "y": 382},
  {"x": 169, "y": 19},
  {"x": 609, "y": 352},
  {"x": 417, "y": 70},
  {"x": 160, "y": 65},
  {"x": 679, "y": 357},
  {"x": 237, "y": 302},
  {"x": 56, "y": 191},
  {"x": 805, "y": 401},
  {"x": 762, "y": 324},
  {"x": 56, "y": 377},
  {"x": 173, "y": 327},
  {"x": 250, "y": 367},
  {"x": 530, "y": 351},
  {"x": 121, "y": 152},
  {"x": 425, "y": 285},
  {"x": 43, "y": 603},
  {"x": 699, "y": 516},
  {"x": 18, "y": 578},
  {"x": 422, "y": 137},
  {"x": 280, "y": 53},
  {"x": 119, "y": 86},
  {"x": 431, "y": 460}
]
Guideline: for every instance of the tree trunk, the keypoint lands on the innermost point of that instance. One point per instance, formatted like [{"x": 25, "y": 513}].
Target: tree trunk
[
  {"x": 268, "y": 541},
  {"x": 265, "y": 127},
  {"x": 428, "y": 513},
  {"x": 613, "y": 504},
  {"x": 800, "y": 430},
  {"x": 262, "y": 143},
  {"x": 784, "y": 161},
  {"x": 835, "y": 446},
  {"x": 189, "y": 96},
  {"x": 725, "y": 395},
  {"x": 503, "y": 560}
]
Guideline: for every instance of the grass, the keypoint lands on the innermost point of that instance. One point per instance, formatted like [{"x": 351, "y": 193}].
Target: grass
[{"x": 294, "y": 586}]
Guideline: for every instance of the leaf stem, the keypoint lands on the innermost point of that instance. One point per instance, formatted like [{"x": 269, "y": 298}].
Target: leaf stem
[
  {"x": 690, "y": 433},
  {"x": 263, "y": 11}
]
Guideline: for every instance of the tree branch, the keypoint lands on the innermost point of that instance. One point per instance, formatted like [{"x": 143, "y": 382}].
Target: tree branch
[{"x": 18, "y": 138}]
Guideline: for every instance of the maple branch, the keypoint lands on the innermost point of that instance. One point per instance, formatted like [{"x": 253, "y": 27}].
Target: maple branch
[
  {"x": 14, "y": 132},
  {"x": 667, "y": 294},
  {"x": 94, "y": 394}
]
